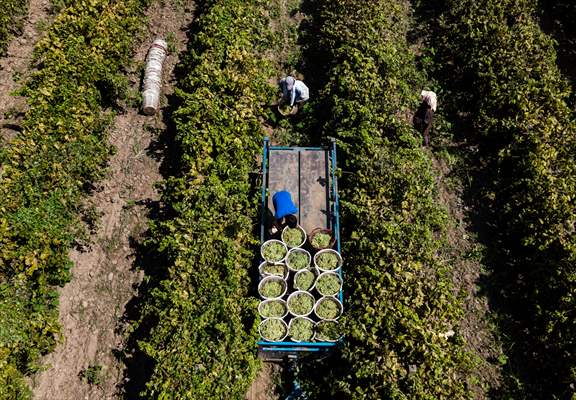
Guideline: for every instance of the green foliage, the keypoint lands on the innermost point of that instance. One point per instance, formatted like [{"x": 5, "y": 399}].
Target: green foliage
[
  {"x": 321, "y": 240},
  {"x": 293, "y": 237},
  {"x": 298, "y": 259},
  {"x": 327, "y": 261},
  {"x": 328, "y": 284},
  {"x": 13, "y": 385},
  {"x": 301, "y": 329},
  {"x": 12, "y": 14},
  {"x": 92, "y": 375},
  {"x": 274, "y": 269},
  {"x": 273, "y": 329},
  {"x": 327, "y": 308},
  {"x": 399, "y": 295},
  {"x": 328, "y": 331},
  {"x": 273, "y": 251},
  {"x": 204, "y": 322},
  {"x": 47, "y": 168},
  {"x": 304, "y": 280},
  {"x": 27, "y": 323},
  {"x": 301, "y": 303},
  {"x": 273, "y": 309},
  {"x": 272, "y": 288},
  {"x": 503, "y": 67}
]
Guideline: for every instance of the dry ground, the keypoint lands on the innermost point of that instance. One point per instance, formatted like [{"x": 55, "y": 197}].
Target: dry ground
[
  {"x": 267, "y": 384},
  {"x": 464, "y": 253},
  {"x": 104, "y": 280}
]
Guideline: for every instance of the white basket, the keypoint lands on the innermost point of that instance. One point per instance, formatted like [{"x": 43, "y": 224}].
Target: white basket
[
  {"x": 298, "y": 250},
  {"x": 271, "y": 279},
  {"x": 272, "y": 301},
  {"x": 329, "y": 298},
  {"x": 300, "y": 293},
  {"x": 340, "y": 261},
  {"x": 274, "y": 241},
  {"x": 328, "y": 274},
  {"x": 301, "y": 230},
  {"x": 153, "y": 77},
  {"x": 265, "y": 274},
  {"x": 313, "y": 283},
  {"x": 316, "y": 332},
  {"x": 305, "y": 318},
  {"x": 271, "y": 319}
]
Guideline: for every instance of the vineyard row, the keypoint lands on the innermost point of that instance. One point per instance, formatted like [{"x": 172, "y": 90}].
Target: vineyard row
[
  {"x": 12, "y": 16},
  {"x": 501, "y": 70},
  {"x": 61, "y": 151},
  {"x": 401, "y": 304},
  {"x": 198, "y": 323}
]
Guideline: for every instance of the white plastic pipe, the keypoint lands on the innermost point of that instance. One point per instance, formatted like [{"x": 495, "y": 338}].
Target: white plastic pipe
[{"x": 153, "y": 77}]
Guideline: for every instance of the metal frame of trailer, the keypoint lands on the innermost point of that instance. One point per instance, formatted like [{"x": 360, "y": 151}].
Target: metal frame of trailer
[{"x": 309, "y": 173}]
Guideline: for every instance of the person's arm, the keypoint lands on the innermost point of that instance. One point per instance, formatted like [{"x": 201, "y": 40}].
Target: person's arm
[
  {"x": 276, "y": 226},
  {"x": 282, "y": 84},
  {"x": 293, "y": 97}
]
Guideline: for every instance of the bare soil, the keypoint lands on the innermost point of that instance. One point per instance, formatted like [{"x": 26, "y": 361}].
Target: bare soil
[
  {"x": 285, "y": 53},
  {"x": 104, "y": 280},
  {"x": 15, "y": 66},
  {"x": 266, "y": 386},
  {"x": 464, "y": 253},
  {"x": 285, "y": 20}
]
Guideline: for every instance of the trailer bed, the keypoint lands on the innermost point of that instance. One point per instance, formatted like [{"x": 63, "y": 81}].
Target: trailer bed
[
  {"x": 304, "y": 172},
  {"x": 309, "y": 174}
]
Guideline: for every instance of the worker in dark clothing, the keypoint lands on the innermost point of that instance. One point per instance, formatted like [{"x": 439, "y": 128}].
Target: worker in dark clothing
[
  {"x": 285, "y": 211},
  {"x": 424, "y": 116}
]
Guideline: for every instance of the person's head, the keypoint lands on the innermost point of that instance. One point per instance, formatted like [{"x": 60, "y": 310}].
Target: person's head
[
  {"x": 291, "y": 221},
  {"x": 290, "y": 81},
  {"x": 429, "y": 98}
]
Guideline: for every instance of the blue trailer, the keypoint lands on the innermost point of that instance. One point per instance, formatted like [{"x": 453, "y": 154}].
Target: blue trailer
[{"x": 309, "y": 174}]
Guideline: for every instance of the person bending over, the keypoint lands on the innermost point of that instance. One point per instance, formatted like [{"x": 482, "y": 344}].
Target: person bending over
[
  {"x": 293, "y": 91},
  {"x": 285, "y": 211}
]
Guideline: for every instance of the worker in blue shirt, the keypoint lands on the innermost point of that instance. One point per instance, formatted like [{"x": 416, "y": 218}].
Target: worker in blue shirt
[{"x": 284, "y": 209}]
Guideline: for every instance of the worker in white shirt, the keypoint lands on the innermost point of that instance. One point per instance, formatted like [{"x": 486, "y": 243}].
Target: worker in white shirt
[
  {"x": 424, "y": 116},
  {"x": 293, "y": 90}
]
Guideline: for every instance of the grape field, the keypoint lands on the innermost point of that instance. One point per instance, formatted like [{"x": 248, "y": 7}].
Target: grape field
[{"x": 130, "y": 245}]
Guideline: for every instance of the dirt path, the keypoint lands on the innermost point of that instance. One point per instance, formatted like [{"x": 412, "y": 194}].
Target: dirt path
[
  {"x": 267, "y": 385},
  {"x": 84, "y": 366},
  {"x": 465, "y": 254},
  {"x": 285, "y": 53},
  {"x": 16, "y": 65}
]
